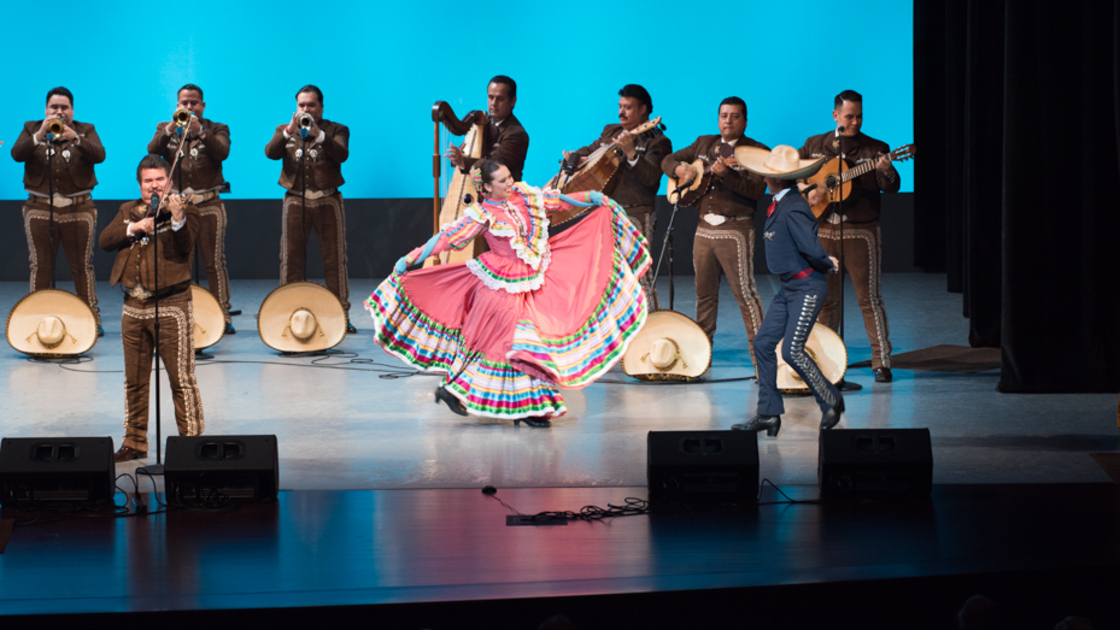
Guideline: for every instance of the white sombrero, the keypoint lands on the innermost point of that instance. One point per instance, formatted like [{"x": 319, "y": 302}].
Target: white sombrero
[
  {"x": 670, "y": 347},
  {"x": 827, "y": 350},
  {"x": 52, "y": 323},
  {"x": 783, "y": 162},
  {"x": 301, "y": 317}
]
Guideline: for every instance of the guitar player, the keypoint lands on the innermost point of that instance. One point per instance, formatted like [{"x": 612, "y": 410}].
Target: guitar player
[
  {"x": 859, "y": 213},
  {"x": 725, "y": 236},
  {"x": 639, "y": 173}
]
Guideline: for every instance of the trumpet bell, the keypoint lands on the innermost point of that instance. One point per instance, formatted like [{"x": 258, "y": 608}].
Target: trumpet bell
[
  {"x": 56, "y": 127},
  {"x": 181, "y": 117},
  {"x": 305, "y": 121}
]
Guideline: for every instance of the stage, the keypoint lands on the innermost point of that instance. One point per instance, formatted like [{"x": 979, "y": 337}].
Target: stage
[{"x": 381, "y": 517}]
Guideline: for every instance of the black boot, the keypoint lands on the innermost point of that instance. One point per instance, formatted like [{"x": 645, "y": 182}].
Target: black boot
[
  {"x": 536, "y": 423},
  {"x": 453, "y": 403},
  {"x": 770, "y": 424},
  {"x": 831, "y": 416}
]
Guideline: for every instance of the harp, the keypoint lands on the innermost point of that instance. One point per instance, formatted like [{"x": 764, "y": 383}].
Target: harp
[{"x": 460, "y": 190}]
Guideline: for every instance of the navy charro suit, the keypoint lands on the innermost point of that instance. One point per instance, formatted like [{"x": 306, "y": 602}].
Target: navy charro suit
[{"x": 792, "y": 248}]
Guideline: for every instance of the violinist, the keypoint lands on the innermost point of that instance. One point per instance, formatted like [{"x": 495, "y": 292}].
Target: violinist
[{"x": 133, "y": 234}]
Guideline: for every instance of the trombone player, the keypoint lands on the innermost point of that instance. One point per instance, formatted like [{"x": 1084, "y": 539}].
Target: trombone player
[
  {"x": 58, "y": 155},
  {"x": 204, "y": 145},
  {"x": 312, "y": 199}
]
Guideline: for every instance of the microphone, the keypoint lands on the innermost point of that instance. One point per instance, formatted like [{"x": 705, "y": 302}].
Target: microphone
[
  {"x": 303, "y": 132},
  {"x": 840, "y": 129},
  {"x": 155, "y": 203}
]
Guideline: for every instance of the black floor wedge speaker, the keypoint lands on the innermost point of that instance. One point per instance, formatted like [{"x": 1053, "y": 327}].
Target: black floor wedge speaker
[
  {"x": 207, "y": 470},
  {"x": 697, "y": 468},
  {"x": 875, "y": 463},
  {"x": 66, "y": 471}
]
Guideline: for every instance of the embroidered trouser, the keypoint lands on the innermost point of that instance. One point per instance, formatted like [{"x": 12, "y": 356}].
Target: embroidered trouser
[
  {"x": 728, "y": 248},
  {"x": 328, "y": 216},
  {"x": 212, "y": 247},
  {"x": 73, "y": 229},
  {"x": 645, "y": 220},
  {"x": 863, "y": 253},
  {"x": 791, "y": 316},
  {"x": 176, "y": 348}
]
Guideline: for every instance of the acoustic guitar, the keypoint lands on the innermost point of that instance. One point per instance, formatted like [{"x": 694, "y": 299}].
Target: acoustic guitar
[
  {"x": 689, "y": 192},
  {"x": 596, "y": 172},
  {"x": 837, "y": 176}
]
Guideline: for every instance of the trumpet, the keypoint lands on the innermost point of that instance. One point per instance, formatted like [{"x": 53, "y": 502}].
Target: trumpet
[
  {"x": 56, "y": 127},
  {"x": 181, "y": 118},
  {"x": 305, "y": 121}
]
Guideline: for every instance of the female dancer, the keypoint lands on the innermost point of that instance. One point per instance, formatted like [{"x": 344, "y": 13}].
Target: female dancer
[{"x": 532, "y": 314}]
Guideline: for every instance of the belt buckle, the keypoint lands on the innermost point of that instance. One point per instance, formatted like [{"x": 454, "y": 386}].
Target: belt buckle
[
  {"x": 714, "y": 219},
  {"x": 140, "y": 293}
]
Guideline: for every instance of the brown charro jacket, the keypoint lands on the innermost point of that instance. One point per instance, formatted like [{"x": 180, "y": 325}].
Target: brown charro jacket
[
  {"x": 637, "y": 185},
  {"x": 324, "y": 160},
  {"x": 734, "y": 194},
  {"x": 863, "y": 203},
  {"x": 73, "y": 159},
  {"x": 202, "y": 158},
  {"x": 135, "y": 263}
]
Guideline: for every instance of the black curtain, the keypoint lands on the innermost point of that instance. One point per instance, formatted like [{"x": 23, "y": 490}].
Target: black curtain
[{"x": 1017, "y": 121}]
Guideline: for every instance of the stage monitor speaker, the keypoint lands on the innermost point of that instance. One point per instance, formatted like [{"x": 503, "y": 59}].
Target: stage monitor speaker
[
  {"x": 210, "y": 469},
  {"x": 58, "y": 471},
  {"x": 875, "y": 463},
  {"x": 696, "y": 468}
]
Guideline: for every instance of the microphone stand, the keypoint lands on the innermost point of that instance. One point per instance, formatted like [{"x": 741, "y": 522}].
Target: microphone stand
[
  {"x": 303, "y": 194},
  {"x": 50, "y": 221},
  {"x": 667, "y": 246},
  {"x": 837, "y": 193},
  {"x": 157, "y": 468}
]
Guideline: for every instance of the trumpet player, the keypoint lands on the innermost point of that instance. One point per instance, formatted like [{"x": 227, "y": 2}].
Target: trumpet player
[
  {"x": 204, "y": 145},
  {"x": 58, "y": 154},
  {"x": 312, "y": 199}
]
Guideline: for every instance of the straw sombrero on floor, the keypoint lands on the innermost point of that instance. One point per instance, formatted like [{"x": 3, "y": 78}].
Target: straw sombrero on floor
[
  {"x": 53, "y": 324},
  {"x": 301, "y": 317},
  {"x": 670, "y": 347},
  {"x": 827, "y": 350}
]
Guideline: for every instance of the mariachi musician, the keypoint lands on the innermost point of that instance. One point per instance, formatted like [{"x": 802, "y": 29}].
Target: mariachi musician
[
  {"x": 639, "y": 174},
  {"x": 312, "y": 199},
  {"x": 59, "y": 153},
  {"x": 205, "y": 145},
  {"x": 725, "y": 235},
  {"x": 506, "y": 140}
]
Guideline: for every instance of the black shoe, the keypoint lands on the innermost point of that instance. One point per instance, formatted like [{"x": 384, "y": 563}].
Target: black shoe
[
  {"x": 771, "y": 424},
  {"x": 350, "y": 330},
  {"x": 100, "y": 331},
  {"x": 233, "y": 313},
  {"x": 536, "y": 423},
  {"x": 230, "y": 330},
  {"x": 453, "y": 403},
  {"x": 831, "y": 417},
  {"x": 883, "y": 375}
]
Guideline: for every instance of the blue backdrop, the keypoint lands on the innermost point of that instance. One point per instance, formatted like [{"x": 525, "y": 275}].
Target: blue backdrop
[{"x": 381, "y": 68}]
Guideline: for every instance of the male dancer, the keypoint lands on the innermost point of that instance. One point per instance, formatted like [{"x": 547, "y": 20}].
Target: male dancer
[{"x": 794, "y": 253}]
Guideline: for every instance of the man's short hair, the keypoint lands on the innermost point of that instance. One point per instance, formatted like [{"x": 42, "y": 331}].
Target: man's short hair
[
  {"x": 504, "y": 80},
  {"x": 735, "y": 100},
  {"x": 850, "y": 96},
  {"x": 635, "y": 91},
  {"x": 190, "y": 86},
  {"x": 153, "y": 161},
  {"x": 61, "y": 91},
  {"x": 313, "y": 89}
]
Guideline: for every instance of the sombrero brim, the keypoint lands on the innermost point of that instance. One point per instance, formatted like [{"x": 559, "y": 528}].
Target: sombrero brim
[
  {"x": 75, "y": 314},
  {"x": 276, "y": 313},
  {"x": 209, "y": 320},
  {"x": 695, "y": 349},
  {"x": 754, "y": 159}
]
